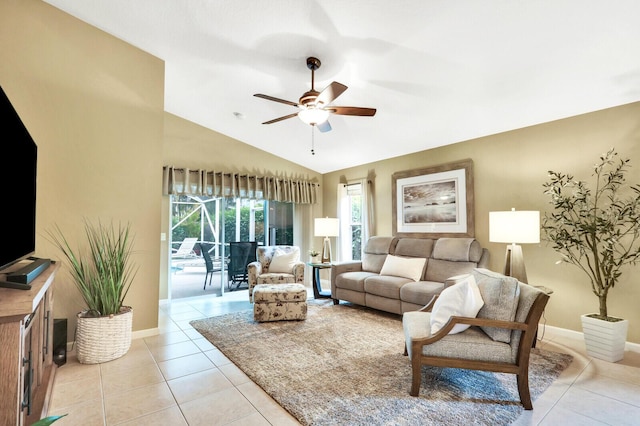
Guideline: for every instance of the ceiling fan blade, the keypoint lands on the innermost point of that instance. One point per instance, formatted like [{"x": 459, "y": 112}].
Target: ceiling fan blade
[
  {"x": 324, "y": 127},
  {"x": 275, "y": 120},
  {"x": 331, "y": 92},
  {"x": 347, "y": 110},
  {"x": 271, "y": 98}
]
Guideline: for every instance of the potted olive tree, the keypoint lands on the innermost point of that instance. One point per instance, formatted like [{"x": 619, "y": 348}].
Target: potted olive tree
[
  {"x": 597, "y": 230},
  {"x": 102, "y": 272}
]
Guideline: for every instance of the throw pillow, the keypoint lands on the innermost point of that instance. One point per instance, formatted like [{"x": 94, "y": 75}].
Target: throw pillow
[
  {"x": 500, "y": 294},
  {"x": 283, "y": 262},
  {"x": 462, "y": 299},
  {"x": 406, "y": 267}
]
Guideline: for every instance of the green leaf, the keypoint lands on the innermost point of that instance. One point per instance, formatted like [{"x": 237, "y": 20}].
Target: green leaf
[{"x": 47, "y": 420}]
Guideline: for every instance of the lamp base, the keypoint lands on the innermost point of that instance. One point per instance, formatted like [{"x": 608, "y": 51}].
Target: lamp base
[
  {"x": 514, "y": 263},
  {"x": 326, "y": 251}
]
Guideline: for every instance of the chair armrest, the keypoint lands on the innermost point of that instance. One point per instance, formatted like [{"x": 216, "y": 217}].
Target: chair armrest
[
  {"x": 298, "y": 272},
  {"x": 429, "y": 306},
  {"x": 253, "y": 270},
  {"x": 444, "y": 331}
]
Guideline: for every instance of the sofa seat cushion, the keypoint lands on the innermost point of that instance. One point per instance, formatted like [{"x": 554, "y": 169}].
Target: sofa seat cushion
[
  {"x": 385, "y": 285},
  {"x": 420, "y": 292},
  {"x": 472, "y": 343},
  {"x": 353, "y": 280}
]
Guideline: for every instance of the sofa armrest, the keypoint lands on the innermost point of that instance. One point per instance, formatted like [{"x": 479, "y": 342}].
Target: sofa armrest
[
  {"x": 342, "y": 267},
  {"x": 484, "y": 259}
]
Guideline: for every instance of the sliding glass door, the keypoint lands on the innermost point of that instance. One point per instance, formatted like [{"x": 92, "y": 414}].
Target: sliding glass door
[{"x": 215, "y": 222}]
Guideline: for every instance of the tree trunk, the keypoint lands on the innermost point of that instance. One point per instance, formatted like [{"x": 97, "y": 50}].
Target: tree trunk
[{"x": 603, "y": 305}]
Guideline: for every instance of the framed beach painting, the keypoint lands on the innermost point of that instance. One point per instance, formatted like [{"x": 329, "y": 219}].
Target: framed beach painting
[{"x": 434, "y": 201}]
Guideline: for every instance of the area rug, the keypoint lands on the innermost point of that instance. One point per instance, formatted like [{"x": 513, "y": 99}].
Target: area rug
[{"x": 344, "y": 365}]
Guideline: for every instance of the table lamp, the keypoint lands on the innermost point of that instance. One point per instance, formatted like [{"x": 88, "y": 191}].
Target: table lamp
[
  {"x": 514, "y": 227},
  {"x": 326, "y": 227}
]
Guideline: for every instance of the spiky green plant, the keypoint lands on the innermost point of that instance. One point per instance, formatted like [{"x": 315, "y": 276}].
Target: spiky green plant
[
  {"x": 596, "y": 230},
  {"x": 48, "y": 420},
  {"x": 102, "y": 272}
]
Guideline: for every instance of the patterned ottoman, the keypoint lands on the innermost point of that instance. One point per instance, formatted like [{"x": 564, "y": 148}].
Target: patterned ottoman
[{"x": 279, "y": 302}]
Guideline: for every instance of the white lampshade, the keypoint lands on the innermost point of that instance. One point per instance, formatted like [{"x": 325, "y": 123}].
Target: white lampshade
[
  {"x": 313, "y": 115},
  {"x": 326, "y": 227},
  {"x": 514, "y": 227}
]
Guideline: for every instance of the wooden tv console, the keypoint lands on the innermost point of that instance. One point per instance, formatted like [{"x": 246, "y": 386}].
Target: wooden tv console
[{"x": 26, "y": 339}]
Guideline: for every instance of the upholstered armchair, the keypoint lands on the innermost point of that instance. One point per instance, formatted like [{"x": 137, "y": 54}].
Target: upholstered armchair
[
  {"x": 498, "y": 338},
  {"x": 275, "y": 265}
]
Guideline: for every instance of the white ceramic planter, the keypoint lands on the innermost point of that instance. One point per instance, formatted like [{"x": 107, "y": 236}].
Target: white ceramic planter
[{"x": 603, "y": 339}]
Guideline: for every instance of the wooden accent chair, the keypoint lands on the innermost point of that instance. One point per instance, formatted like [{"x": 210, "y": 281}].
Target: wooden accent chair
[{"x": 474, "y": 348}]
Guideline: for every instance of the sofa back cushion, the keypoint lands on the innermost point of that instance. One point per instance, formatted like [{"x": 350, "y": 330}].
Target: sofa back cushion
[
  {"x": 457, "y": 249},
  {"x": 452, "y": 256},
  {"x": 375, "y": 253},
  {"x": 440, "y": 270},
  {"x": 414, "y": 247}
]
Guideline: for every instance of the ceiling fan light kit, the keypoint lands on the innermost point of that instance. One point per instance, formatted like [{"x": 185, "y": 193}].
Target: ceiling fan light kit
[
  {"x": 314, "y": 106},
  {"x": 313, "y": 116}
]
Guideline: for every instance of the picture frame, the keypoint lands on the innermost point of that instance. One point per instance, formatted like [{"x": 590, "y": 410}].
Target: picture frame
[{"x": 434, "y": 202}]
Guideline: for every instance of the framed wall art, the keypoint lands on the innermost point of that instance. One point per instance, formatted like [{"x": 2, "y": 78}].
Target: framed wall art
[{"x": 434, "y": 202}]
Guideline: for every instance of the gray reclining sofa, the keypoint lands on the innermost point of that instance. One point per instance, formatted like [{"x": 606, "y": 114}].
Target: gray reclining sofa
[{"x": 360, "y": 282}]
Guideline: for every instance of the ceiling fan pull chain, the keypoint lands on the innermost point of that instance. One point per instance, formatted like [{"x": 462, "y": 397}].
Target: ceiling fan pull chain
[{"x": 313, "y": 152}]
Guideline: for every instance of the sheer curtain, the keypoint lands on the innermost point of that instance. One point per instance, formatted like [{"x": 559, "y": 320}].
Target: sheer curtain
[{"x": 362, "y": 187}]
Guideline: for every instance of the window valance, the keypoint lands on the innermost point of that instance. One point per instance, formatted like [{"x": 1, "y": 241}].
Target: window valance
[{"x": 183, "y": 181}]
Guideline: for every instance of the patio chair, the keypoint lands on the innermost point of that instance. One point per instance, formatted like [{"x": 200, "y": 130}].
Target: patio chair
[
  {"x": 208, "y": 261},
  {"x": 185, "y": 251},
  {"x": 240, "y": 253}
]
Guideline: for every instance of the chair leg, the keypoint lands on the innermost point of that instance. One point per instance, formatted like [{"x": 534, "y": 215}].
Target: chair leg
[
  {"x": 523, "y": 390},
  {"x": 416, "y": 371}
]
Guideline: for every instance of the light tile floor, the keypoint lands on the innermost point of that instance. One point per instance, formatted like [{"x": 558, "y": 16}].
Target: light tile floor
[{"x": 178, "y": 378}]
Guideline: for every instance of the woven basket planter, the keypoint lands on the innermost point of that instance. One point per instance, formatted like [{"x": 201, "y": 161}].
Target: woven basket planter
[{"x": 102, "y": 339}]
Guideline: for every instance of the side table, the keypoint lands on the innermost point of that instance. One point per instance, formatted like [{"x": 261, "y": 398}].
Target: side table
[{"x": 318, "y": 292}]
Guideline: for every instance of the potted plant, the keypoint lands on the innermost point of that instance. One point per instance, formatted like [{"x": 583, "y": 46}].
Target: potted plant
[
  {"x": 103, "y": 273},
  {"x": 313, "y": 254},
  {"x": 598, "y": 231}
]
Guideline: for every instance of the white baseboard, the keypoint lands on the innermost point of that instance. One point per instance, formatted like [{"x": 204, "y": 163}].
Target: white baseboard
[{"x": 571, "y": 334}]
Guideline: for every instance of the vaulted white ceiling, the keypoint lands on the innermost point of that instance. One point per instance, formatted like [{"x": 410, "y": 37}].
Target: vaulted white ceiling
[{"x": 438, "y": 72}]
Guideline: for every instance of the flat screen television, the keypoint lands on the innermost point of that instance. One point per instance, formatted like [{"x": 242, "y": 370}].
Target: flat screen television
[{"x": 18, "y": 177}]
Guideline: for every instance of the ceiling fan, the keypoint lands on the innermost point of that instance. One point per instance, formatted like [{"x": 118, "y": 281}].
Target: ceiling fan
[{"x": 315, "y": 106}]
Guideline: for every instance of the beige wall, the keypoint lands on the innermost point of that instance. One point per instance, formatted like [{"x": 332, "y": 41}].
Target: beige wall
[
  {"x": 509, "y": 170},
  {"x": 94, "y": 106}
]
